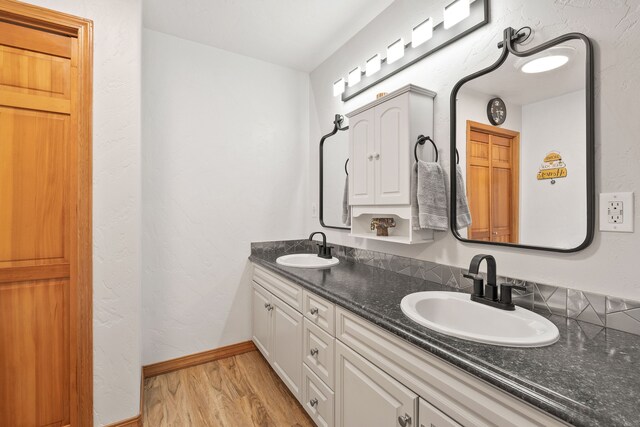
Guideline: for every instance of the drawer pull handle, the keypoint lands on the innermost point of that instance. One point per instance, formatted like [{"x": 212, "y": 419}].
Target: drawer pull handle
[
  {"x": 404, "y": 420},
  {"x": 268, "y": 306},
  {"x": 313, "y": 402},
  {"x": 314, "y": 351},
  {"x": 314, "y": 310}
]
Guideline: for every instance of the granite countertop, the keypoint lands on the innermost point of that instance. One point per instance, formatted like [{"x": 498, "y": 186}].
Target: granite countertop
[{"x": 590, "y": 377}]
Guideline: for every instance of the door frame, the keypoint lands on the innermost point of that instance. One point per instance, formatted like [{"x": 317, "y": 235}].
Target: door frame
[
  {"x": 515, "y": 170},
  {"x": 81, "y": 326}
]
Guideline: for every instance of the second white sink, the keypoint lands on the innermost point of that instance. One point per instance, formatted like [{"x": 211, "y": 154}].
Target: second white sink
[
  {"x": 455, "y": 314},
  {"x": 306, "y": 261}
]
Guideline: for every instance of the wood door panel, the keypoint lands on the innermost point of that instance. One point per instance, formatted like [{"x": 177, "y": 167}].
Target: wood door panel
[
  {"x": 33, "y": 186},
  {"x": 477, "y": 185},
  {"x": 34, "y": 344},
  {"x": 34, "y": 73}
]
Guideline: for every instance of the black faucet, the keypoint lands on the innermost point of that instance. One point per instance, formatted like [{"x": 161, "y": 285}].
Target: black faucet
[
  {"x": 489, "y": 294},
  {"x": 324, "y": 251}
]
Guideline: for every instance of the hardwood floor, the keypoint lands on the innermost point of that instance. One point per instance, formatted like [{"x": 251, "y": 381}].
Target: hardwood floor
[{"x": 239, "y": 391}]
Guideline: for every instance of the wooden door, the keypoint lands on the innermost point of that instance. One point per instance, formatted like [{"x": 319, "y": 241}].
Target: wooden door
[
  {"x": 361, "y": 150},
  {"x": 286, "y": 353},
  {"x": 391, "y": 154},
  {"x": 261, "y": 320},
  {"x": 367, "y": 396},
  {"x": 45, "y": 234},
  {"x": 493, "y": 183}
]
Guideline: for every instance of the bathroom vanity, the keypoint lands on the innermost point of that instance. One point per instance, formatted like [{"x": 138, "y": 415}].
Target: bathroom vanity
[{"x": 338, "y": 339}]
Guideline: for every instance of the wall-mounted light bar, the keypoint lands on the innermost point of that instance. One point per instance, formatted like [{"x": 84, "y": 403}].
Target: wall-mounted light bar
[{"x": 460, "y": 18}]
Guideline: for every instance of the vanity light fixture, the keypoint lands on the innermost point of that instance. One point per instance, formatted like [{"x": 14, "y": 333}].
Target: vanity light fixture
[
  {"x": 338, "y": 87},
  {"x": 395, "y": 51},
  {"x": 551, "y": 59},
  {"x": 461, "y": 17},
  {"x": 373, "y": 64},
  {"x": 354, "y": 76},
  {"x": 422, "y": 32},
  {"x": 456, "y": 12}
]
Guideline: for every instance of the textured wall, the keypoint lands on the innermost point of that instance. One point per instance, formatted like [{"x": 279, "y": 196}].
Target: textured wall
[
  {"x": 225, "y": 142},
  {"x": 613, "y": 25},
  {"x": 116, "y": 203}
]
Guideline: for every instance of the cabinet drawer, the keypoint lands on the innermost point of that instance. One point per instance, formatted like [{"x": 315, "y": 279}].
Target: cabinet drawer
[
  {"x": 319, "y": 311},
  {"x": 429, "y": 416},
  {"x": 318, "y": 351},
  {"x": 366, "y": 396},
  {"x": 317, "y": 398},
  {"x": 468, "y": 400},
  {"x": 279, "y": 286}
]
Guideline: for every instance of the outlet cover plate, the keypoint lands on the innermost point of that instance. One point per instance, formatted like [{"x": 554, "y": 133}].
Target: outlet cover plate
[{"x": 616, "y": 212}]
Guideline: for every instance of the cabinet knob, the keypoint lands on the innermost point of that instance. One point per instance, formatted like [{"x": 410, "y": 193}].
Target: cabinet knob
[
  {"x": 370, "y": 157},
  {"x": 377, "y": 156},
  {"x": 314, "y": 310},
  {"x": 314, "y": 351},
  {"x": 268, "y": 306},
  {"x": 404, "y": 420},
  {"x": 313, "y": 402}
]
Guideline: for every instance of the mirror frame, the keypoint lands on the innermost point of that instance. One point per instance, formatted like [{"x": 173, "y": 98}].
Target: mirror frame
[
  {"x": 337, "y": 126},
  {"x": 511, "y": 38}
]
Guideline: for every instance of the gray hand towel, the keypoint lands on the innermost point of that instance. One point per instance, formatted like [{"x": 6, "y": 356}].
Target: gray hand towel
[
  {"x": 413, "y": 193},
  {"x": 346, "y": 208},
  {"x": 463, "y": 216},
  {"x": 432, "y": 197}
]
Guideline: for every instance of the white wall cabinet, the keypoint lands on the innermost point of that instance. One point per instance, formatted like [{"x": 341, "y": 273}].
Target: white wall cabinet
[
  {"x": 362, "y": 375},
  {"x": 382, "y": 135}
]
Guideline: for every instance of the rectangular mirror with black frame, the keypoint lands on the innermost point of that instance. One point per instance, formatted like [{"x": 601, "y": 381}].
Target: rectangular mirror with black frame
[
  {"x": 334, "y": 164},
  {"x": 524, "y": 131}
]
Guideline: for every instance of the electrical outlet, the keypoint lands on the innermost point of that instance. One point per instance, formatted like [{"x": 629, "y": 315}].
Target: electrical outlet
[
  {"x": 616, "y": 212},
  {"x": 314, "y": 210}
]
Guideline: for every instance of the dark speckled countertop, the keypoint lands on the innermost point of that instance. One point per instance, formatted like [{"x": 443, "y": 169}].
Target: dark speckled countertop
[{"x": 584, "y": 379}]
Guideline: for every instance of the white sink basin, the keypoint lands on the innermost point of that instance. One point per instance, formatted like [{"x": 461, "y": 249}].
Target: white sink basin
[
  {"x": 306, "y": 261},
  {"x": 455, "y": 314}
]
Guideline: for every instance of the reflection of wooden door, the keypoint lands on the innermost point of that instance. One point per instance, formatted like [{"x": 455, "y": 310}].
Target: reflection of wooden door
[
  {"x": 493, "y": 182},
  {"x": 45, "y": 241}
]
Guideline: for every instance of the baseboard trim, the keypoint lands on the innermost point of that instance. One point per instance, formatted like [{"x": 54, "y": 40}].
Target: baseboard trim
[
  {"x": 197, "y": 359},
  {"x": 130, "y": 422}
]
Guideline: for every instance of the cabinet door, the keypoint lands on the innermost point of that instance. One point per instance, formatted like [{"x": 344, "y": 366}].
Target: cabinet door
[
  {"x": 286, "y": 353},
  {"x": 432, "y": 417},
  {"x": 392, "y": 152},
  {"x": 366, "y": 396},
  {"x": 261, "y": 319},
  {"x": 361, "y": 158}
]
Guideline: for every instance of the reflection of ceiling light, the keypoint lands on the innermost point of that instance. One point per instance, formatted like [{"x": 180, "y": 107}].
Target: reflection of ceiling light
[
  {"x": 422, "y": 32},
  {"x": 354, "y": 76},
  {"x": 373, "y": 65},
  {"x": 456, "y": 12},
  {"x": 547, "y": 60},
  {"x": 395, "y": 51},
  {"x": 338, "y": 87}
]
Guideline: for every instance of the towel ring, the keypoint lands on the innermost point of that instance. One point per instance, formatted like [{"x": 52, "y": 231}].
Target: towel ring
[
  {"x": 345, "y": 166},
  {"x": 421, "y": 140}
]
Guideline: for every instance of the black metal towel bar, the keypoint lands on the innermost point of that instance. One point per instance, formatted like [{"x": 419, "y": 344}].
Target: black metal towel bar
[{"x": 421, "y": 140}]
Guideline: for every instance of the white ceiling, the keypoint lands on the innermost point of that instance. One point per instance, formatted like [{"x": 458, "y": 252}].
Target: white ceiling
[{"x": 299, "y": 34}]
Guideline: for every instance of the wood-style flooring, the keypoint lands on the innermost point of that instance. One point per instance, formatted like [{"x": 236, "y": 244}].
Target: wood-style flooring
[{"x": 240, "y": 391}]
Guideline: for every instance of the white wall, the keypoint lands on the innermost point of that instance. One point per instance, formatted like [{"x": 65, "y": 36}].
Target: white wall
[
  {"x": 116, "y": 203},
  {"x": 225, "y": 143},
  {"x": 606, "y": 266},
  {"x": 553, "y": 213}
]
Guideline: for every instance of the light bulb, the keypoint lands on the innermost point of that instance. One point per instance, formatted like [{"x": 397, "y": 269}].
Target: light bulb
[
  {"x": 456, "y": 12},
  {"x": 338, "y": 87},
  {"x": 422, "y": 32},
  {"x": 395, "y": 51},
  {"x": 373, "y": 65}
]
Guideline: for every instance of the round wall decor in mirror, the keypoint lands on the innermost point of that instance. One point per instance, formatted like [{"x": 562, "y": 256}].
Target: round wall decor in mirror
[{"x": 526, "y": 178}]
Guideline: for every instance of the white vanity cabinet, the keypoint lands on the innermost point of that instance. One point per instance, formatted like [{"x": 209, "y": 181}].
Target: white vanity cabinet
[
  {"x": 346, "y": 371},
  {"x": 382, "y": 136}
]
